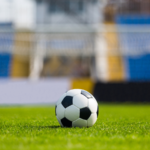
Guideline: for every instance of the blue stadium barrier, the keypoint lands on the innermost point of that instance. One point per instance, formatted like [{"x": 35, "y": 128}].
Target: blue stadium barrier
[
  {"x": 6, "y": 44},
  {"x": 5, "y": 65},
  {"x": 138, "y": 66},
  {"x": 133, "y": 19}
]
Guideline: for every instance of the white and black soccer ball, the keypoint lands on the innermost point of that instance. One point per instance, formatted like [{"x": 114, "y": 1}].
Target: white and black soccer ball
[{"x": 77, "y": 108}]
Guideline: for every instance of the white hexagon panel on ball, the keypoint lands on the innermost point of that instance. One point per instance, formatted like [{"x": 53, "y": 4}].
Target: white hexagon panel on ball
[
  {"x": 73, "y": 92},
  {"x": 79, "y": 123},
  {"x": 93, "y": 105},
  {"x": 60, "y": 111},
  {"x": 72, "y": 113},
  {"x": 80, "y": 101},
  {"x": 92, "y": 119}
]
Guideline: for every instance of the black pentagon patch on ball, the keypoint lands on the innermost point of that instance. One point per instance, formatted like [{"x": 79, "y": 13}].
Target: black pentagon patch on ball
[
  {"x": 67, "y": 101},
  {"x": 97, "y": 111},
  {"x": 86, "y": 94},
  {"x": 66, "y": 122},
  {"x": 85, "y": 113},
  {"x": 55, "y": 110}
]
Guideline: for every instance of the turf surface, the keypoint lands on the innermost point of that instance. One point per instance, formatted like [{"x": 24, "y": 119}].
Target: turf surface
[{"x": 119, "y": 127}]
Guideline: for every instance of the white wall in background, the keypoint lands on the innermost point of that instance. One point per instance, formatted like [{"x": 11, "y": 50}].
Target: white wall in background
[
  {"x": 24, "y": 91},
  {"x": 24, "y": 13},
  {"x": 5, "y": 11}
]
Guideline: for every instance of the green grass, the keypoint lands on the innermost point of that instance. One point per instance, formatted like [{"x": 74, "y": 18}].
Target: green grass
[{"x": 119, "y": 127}]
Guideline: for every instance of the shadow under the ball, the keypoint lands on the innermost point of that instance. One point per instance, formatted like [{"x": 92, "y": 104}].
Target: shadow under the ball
[
  {"x": 42, "y": 127},
  {"x": 50, "y": 127},
  {"x": 46, "y": 127}
]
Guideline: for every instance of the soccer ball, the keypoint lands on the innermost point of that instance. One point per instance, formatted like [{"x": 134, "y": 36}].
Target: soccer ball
[{"x": 76, "y": 108}]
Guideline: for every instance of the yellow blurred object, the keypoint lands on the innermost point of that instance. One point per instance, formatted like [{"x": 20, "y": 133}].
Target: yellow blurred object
[
  {"x": 20, "y": 67},
  {"x": 115, "y": 62},
  {"x": 82, "y": 83},
  {"x": 116, "y": 71},
  {"x": 20, "y": 60}
]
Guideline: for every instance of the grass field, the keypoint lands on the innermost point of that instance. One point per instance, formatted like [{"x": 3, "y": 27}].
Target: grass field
[{"x": 119, "y": 127}]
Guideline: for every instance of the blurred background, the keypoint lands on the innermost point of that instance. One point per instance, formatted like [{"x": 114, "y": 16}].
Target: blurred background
[{"x": 50, "y": 46}]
